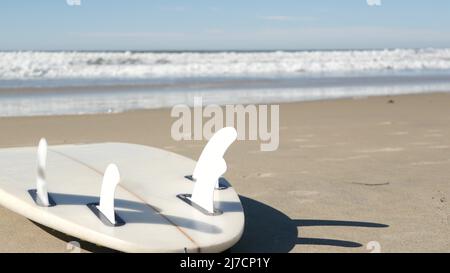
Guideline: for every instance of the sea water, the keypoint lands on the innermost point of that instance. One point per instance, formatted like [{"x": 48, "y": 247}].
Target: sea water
[{"x": 48, "y": 83}]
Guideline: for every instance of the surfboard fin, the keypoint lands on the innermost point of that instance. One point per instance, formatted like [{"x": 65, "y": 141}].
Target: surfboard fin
[
  {"x": 41, "y": 183},
  {"x": 210, "y": 167},
  {"x": 110, "y": 180}
]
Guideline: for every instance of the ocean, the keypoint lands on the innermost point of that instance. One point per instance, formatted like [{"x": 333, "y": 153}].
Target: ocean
[{"x": 67, "y": 83}]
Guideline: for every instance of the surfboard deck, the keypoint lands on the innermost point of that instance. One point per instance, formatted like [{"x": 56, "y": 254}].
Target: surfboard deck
[{"x": 147, "y": 198}]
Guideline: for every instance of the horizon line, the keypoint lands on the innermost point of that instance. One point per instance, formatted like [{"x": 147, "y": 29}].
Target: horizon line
[{"x": 219, "y": 50}]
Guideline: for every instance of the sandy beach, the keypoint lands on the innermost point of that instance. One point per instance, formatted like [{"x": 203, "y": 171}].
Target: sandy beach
[{"x": 347, "y": 172}]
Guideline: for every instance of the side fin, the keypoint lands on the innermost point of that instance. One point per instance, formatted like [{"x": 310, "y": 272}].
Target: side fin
[
  {"x": 41, "y": 182},
  {"x": 110, "y": 180},
  {"x": 210, "y": 167}
]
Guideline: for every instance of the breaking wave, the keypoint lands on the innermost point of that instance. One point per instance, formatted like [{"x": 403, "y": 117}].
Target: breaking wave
[{"x": 104, "y": 66}]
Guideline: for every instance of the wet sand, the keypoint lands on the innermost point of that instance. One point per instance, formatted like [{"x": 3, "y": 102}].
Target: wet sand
[{"x": 347, "y": 172}]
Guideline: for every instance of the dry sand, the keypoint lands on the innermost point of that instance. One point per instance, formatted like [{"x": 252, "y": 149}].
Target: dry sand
[{"x": 347, "y": 172}]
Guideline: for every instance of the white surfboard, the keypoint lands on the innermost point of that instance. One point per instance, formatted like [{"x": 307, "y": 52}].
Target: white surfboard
[{"x": 152, "y": 204}]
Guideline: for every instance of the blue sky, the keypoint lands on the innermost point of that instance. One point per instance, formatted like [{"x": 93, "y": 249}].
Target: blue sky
[{"x": 226, "y": 24}]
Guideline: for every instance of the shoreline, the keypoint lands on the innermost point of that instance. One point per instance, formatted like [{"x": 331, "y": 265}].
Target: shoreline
[
  {"x": 166, "y": 108},
  {"x": 87, "y": 102}
]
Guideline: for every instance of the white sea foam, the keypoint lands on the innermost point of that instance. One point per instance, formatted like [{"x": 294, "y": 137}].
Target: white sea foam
[{"x": 152, "y": 65}]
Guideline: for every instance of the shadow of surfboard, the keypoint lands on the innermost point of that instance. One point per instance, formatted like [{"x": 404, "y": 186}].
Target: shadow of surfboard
[{"x": 268, "y": 230}]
